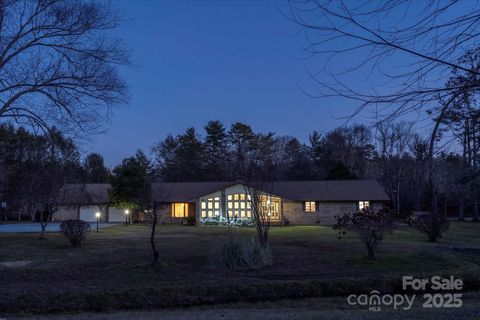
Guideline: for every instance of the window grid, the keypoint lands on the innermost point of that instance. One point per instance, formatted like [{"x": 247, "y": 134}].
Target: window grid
[
  {"x": 210, "y": 207},
  {"x": 179, "y": 210},
  {"x": 310, "y": 206},
  {"x": 239, "y": 206},
  {"x": 363, "y": 205}
]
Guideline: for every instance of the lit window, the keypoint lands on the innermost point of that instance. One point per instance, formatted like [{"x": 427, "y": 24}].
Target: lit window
[
  {"x": 179, "y": 210},
  {"x": 210, "y": 207},
  {"x": 363, "y": 205},
  {"x": 239, "y": 202},
  {"x": 310, "y": 206}
]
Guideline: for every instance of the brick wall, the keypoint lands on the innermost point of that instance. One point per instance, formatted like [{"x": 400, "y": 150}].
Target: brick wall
[{"x": 325, "y": 214}]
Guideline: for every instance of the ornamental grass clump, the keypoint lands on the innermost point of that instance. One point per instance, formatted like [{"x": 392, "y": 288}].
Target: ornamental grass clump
[{"x": 236, "y": 253}]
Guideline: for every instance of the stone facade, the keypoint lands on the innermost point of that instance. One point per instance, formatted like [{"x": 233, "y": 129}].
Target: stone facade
[{"x": 325, "y": 213}]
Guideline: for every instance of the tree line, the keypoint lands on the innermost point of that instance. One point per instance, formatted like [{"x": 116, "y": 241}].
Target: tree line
[{"x": 33, "y": 167}]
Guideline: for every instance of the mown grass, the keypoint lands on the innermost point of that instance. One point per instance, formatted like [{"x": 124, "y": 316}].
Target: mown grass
[{"x": 111, "y": 270}]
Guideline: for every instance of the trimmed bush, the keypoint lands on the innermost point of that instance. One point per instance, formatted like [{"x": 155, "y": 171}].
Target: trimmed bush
[
  {"x": 191, "y": 220},
  {"x": 75, "y": 231}
]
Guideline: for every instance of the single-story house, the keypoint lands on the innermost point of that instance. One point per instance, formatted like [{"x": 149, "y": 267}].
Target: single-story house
[{"x": 295, "y": 202}]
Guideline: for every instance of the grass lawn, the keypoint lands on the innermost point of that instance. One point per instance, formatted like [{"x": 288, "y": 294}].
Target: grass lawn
[{"x": 111, "y": 270}]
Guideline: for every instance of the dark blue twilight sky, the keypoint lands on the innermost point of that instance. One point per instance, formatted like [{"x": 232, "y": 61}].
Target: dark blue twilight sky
[{"x": 197, "y": 61}]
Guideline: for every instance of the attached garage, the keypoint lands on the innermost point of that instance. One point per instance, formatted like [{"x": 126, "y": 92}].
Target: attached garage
[
  {"x": 87, "y": 213},
  {"x": 116, "y": 214}
]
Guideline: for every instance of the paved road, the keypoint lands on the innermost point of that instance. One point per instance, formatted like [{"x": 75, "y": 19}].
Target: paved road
[{"x": 35, "y": 227}]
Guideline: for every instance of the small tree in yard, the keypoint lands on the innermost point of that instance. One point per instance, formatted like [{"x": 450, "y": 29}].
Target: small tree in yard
[
  {"x": 75, "y": 231},
  {"x": 432, "y": 225},
  {"x": 131, "y": 188},
  {"x": 369, "y": 225}
]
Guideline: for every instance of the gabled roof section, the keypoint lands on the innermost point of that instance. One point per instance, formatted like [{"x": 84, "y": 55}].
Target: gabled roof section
[
  {"x": 329, "y": 190},
  {"x": 84, "y": 193},
  {"x": 186, "y": 191}
]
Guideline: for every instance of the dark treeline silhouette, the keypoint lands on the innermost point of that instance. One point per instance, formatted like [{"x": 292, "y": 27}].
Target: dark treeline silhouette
[
  {"x": 240, "y": 153},
  {"x": 391, "y": 153}
]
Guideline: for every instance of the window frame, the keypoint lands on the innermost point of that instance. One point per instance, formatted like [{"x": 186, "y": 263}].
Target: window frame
[
  {"x": 309, "y": 205},
  {"x": 239, "y": 206},
  {"x": 210, "y": 207},
  {"x": 363, "y": 205},
  {"x": 174, "y": 210}
]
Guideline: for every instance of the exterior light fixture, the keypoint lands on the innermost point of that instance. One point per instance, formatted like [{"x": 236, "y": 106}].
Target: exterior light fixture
[
  {"x": 97, "y": 215},
  {"x": 126, "y": 216}
]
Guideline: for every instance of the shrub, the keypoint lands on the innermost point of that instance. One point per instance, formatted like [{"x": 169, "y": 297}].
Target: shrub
[
  {"x": 222, "y": 221},
  {"x": 191, "y": 220},
  {"x": 237, "y": 253},
  {"x": 75, "y": 231},
  {"x": 370, "y": 226},
  {"x": 433, "y": 225}
]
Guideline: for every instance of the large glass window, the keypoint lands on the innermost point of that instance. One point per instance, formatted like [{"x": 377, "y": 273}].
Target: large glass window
[
  {"x": 179, "y": 210},
  {"x": 210, "y": 207},
  {"x": 239, "y": 206},
  {"x": 271, "y": 206}
]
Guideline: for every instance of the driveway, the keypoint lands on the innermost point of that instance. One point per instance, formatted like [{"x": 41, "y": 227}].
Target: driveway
[{"x": 35, "y": 227}]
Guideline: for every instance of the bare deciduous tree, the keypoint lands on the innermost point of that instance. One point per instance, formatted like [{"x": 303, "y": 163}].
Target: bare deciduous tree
[
  {"x": 411, "y": 47},
  {"x": 403, "y": 50},
  {"x": 261, "y": 204},
  {"x": 58, "y": 65}
]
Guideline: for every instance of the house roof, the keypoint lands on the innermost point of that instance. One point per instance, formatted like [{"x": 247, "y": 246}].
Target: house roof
[
  {"x": 185, "y": 191},
  {"x": 84, "y": 193},
  {"x": 329, "y": 190},
  {"x": 320, "y": 190}
]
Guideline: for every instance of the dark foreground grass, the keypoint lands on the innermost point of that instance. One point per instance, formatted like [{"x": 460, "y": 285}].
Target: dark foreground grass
[
  {"x": 335, "y": 308},
  {"x": 111, "y": 271}
]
